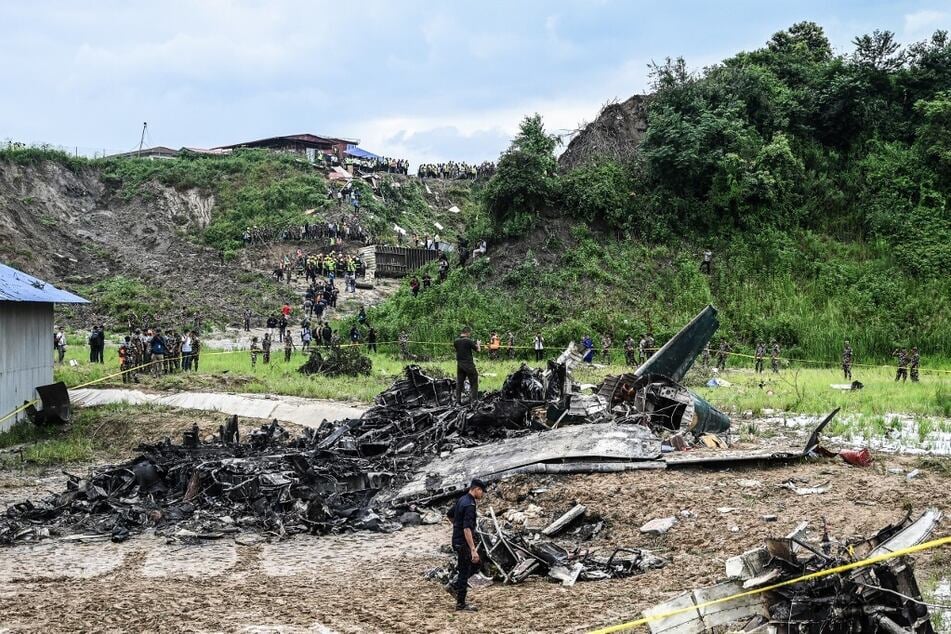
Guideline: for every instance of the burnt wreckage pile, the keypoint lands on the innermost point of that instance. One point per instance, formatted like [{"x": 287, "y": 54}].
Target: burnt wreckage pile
[
  {"x": 881, "y": 597},
  {"x": 413, "y": 447},
  {"x": 511, "y": 549}
]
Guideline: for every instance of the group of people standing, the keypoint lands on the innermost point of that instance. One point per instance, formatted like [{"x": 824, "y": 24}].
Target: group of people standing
[
  {"x": 158, "y": 352},
  {"x": 455, "y": 170}
]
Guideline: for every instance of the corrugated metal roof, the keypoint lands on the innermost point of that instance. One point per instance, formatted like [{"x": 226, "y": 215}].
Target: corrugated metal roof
[{"x": 17, "y": 286}]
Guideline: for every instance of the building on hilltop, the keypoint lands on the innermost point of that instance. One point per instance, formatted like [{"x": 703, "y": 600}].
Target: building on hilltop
[
  {"x": 306, "y": 144},
  {"x": 152, "y": 153},
  {"x": 26, "y": 337}
]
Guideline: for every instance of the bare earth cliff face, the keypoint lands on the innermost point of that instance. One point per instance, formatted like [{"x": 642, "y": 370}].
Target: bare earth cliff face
[
  {"x": 614, "y": 135},
  {"x": 70, "y": 228}
]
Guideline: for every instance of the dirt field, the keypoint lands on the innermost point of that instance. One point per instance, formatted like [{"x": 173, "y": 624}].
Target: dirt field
[{"x": 375, "y": 583}]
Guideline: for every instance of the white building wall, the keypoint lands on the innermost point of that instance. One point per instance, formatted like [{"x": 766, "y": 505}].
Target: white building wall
[{"x": 26, "y": 354}]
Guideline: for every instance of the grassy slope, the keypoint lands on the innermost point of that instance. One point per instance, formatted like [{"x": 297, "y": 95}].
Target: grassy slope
[{"x": 805, "y": 290}]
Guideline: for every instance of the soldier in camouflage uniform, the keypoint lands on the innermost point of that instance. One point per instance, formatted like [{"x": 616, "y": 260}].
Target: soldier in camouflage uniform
[
  {"x": 774, "y": 357},
  {"x": 847, "y": 361},
  {"x": 915, "y": 362},
  {"x": 902, "y": 373},
  {"x": 136, "y": 353},
  {"x": 758, "y": 356},
  {"x": 404, "y": 344},
  {"x": 722, "y": 351}
]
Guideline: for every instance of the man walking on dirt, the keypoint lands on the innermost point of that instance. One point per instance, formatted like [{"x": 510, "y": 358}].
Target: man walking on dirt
[
  {"x": 465, "y": 366},
  {"x": 463, "y": 516}
]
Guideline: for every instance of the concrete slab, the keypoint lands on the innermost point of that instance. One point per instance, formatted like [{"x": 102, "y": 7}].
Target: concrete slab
[{"x": 302, "y": 411}]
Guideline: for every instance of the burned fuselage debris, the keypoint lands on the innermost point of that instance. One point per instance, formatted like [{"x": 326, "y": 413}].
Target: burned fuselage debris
[
  {"x": 414, "y": 446},
  {"x": 510, "y": 551},
  {"x": 882, "y": 597}
]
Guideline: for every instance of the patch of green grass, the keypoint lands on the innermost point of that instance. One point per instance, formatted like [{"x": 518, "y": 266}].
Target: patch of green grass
[
  {"x": 54, "y": 444},
  {"x": 808, "y": 394}
]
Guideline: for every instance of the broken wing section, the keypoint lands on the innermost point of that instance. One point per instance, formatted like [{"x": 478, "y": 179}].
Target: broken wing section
[{"x": 677, "y": 355}]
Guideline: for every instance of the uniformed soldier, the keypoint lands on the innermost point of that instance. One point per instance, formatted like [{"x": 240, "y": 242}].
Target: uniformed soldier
[
  {"x": 288, "y": 347},
  {"x": 915, "y": 362},
  {"x": 902, "y": 372},
  {"x": 404, "y": 344},
  {"x": 774, "y": 357},
  {"x": 760, "y": 353},
  {"x": 255, "y": 350},
  {"x": 722, "y": 351},
  {"x": 266, "y": 348},
  {"x": 847, "y": 361}
]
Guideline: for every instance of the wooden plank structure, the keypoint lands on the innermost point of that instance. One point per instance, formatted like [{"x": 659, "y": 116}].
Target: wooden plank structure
[{"x": 388, "y": 261}]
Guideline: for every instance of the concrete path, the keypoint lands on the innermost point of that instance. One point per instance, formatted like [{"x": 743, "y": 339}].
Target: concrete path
[{"x": 302, "y": 411}]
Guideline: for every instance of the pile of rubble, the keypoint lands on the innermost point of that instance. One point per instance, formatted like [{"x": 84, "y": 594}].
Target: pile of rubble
[
  {"x": 414, "y": 447},
  {"x": 511, "y": 549},
  {"x": 881, "y": 597}
]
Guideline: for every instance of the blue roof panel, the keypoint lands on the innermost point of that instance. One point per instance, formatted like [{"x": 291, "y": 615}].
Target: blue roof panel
[
  {"x": 17, "y": 286},
  {"x": 359, "y": 152}
]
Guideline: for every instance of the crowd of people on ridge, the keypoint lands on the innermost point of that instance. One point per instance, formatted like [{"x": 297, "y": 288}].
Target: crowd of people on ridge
[{"x": 454, "y": 170}]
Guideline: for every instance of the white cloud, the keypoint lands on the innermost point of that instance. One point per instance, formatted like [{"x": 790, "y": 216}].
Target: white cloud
[{"x": 922, "y": 24}]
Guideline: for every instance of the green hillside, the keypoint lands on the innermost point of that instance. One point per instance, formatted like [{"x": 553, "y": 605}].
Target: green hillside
[{"x": 819, "y": 181}]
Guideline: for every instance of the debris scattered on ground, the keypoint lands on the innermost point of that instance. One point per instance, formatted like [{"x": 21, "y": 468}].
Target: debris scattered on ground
[
  {"x": 659, "y": 525},
  {"x": 338, "y": 361},
  {"x": 510, "y": 552},
  {"x": 414, "y": 447},
  {"x": 882, "y": 597}
]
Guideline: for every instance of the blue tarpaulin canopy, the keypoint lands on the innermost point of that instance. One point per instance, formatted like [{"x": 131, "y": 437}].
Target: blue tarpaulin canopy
[{"x": 357, "y": 152}]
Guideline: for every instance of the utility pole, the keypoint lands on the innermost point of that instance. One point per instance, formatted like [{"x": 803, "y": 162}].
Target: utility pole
[{"x": 142, "y": 138}]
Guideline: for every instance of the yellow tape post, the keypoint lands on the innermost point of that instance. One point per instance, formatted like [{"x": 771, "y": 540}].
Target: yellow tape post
[{"x": 935, "y": 543}]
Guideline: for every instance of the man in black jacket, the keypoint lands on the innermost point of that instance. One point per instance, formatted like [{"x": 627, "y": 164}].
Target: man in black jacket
[
  {"x": 465, "y": 366},
  {"x": 463, "y": 516}
]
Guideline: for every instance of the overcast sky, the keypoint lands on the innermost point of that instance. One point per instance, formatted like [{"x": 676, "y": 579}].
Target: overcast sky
[{"x": 424, "y": 81}]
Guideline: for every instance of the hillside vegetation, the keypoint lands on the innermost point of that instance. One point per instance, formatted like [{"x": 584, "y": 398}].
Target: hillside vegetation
[{"x": 819, "y": 181}]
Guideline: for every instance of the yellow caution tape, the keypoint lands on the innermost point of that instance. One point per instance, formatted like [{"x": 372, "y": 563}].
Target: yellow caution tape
[{"x": 936, "y": 543}]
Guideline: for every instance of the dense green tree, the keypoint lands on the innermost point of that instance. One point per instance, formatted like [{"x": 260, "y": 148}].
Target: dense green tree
[{"x": 525, "y": 182}]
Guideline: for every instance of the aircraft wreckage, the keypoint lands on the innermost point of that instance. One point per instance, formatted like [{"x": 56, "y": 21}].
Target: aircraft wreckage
[{"x": 415, "y": 446}]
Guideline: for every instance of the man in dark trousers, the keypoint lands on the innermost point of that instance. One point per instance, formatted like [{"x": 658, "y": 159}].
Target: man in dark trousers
[
  {"x": 465, "y": 365},
  {"x": 463, "y": 516}
]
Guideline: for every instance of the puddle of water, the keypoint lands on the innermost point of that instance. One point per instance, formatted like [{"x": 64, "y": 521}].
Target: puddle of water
[{"x": 902, "y": 436}]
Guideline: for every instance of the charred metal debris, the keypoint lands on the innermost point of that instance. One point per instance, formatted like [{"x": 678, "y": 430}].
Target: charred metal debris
[
  {"x": 516, "y": 546},
  {"x": 415, "y": 446},
  {"x": 882, "y": 597}
]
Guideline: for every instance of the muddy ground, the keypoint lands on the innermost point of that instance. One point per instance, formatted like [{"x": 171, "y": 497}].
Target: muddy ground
[{"x": 374, "y": 583}]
